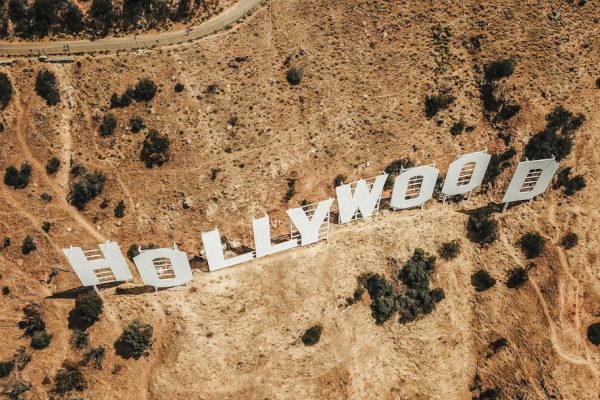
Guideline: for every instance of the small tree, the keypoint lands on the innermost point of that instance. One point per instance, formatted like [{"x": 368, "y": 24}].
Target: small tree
[
  {"x": 481, "y": 229},
  {"x": 69, "y": 378},
  {"x": 86, "y": 312},
  {"x": 517, "y": 277},
  {"x": 532, "y": 244},
  {"x": 46, "y": 87},
  {"x": 108, "y": 125},
  {"x": 482, "y": 280},
  {"x": 6, "y": 368},
  {"x": 499, "y": 69},
  {"x": 593, "y": 333},
  {"x": 435, "y": 104},
  {"x": 136, "y": 124},
  {"x": 41, "y": 339},
  {"x": 449, "y": 250},
  {"x": 52, "y": 166},
  {"x": 394, "y": 168},
  {"x": 339, "y": 180},
  {"x": 155, "y": 149},
  {"x": 5, "y": 290},
  {"x": 135, "y": 340},
  {"x": 90, "y": 186},
  {"x": 569, "y": 240},
  {"x": 6, "y": 90},
  {"x": 29, "y": 245},
  {"x": 312, "y": 335},
  {"x": 17, "y": 179},
  {"x": 294, "y": 76},
  {"x": 120, "y": 209},
  {"x": 179, "y": 87},
  {"x": 73, "y": 18},
  {"x": 145, "y": 90}
]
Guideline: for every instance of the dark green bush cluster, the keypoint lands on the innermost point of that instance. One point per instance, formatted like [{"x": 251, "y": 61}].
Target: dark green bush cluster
[
  {"x": 52, "y": 166},
  {"x": 569, "y": 240},
  {"x": 15, "y": 389},
  {"x": 136, "y": 124},
  {"x": 144, "y": 90},
  {"x": 498, "y": 163},
  {"x": 312, "y": 335},
  {"x": 89, "y": 186},
  {"x": 495, "y": 108},
  {"x": 436, "y": 103},
  {"x": 120, "y": 209},
  {"x": 69, "y": 378},
  {"x": 394, "y": 168},
  {"x": 482, "y": 280},
  {"x": 41, "y": 339},
  {"x": 488, "y": 394},
  {"x": 46, "y": 86},
  {"x": 383, "y": 296},
  {"x": 294, "y": 76},
  {"x": 6, "y": 368},
  {"x": 34, "y": 326},
  {"x": 571, "y": 185},
  {"x": 532, "y": 244},
  {"x": 457, "y": 128},
  {"x": 499, "y": 69},
  {"x": 449, "y": 250},
  {"x": 17, "y": 179},
  {"x": 517, "y": 277},
  {"x": 135, "y": 340},
  {"x": 28, "y": 245},
  {"x": 6, "y": 90},
  {"x": 155, "y": 149},
  {"x": 339, "y": 180},
  {"x": 593, "y": 333},
  {"x": 179, "y": 87},
  {"x": 108, "y": 125},
  {"x": 86, "y": 312},
  {"x": 481, "y": 228},
  {"x": 42, "y": 17},
  {"x": 557, "y": 138}
]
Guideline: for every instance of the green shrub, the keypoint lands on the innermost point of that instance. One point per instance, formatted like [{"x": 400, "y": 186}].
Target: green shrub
[
  {"x": 394, "y": 168},
  {"x": 135, "y": 340},
  {"x": 294, "y": 76},
  {"x": 5, "y": 290},
  {"x": 593, "y": 333},
  {"x": 52, "y": 166},
  {"x": 339, "y": 180},
  {"x": 89, "y": 186},
  {"x": 108, "y": 125},
  {"x": 6, "y": 368},
  {"x": 482, "y": 280},
  {"x": 312, "y": 335},
  {"x": 155, "y": 149},
  {"x": 95, "y": 357},
  {"x": 415, "y": 273},
  {"x": 6, "y": 90},
  {"x": 86, "y": 311},
  {"x": 21, "y": 358},
  {"x": 32, "y": 322},
  {"x": 145, "y": 90},
  {"x": 125, "y": 100},
  {"x": 532, "y": 244},
  {"x": 17, "y": 179},
  {"x": 498, "y": 163},
  {"x": 16, "y": 388},
  {"x": 457, "y": 128},
  {"x": 46, "y": 226},
  {"x": 569, "y": 240},
  {"x": 41, "y": 339},
  {"x": 574, "y": 185},
  {"x": 557, "y": 138},
  {"x": 28, "y": 245},
  {"x": 46, "y": 87},
  {"x": 79, "y": 339},
  {"x": 136, "y": 124},
  {"x": 435, "y": 104},
  {"x": 498, "y": 345},
  {"x": 449, "y": 250},
  {"x": 383, "y": 296},
  {"x": 489, "y": 394},
  {"x": 120, "y": 209},
  {"x": 517, "y": 277},
  {"x": 291, "y": 190},
  {"x": 499, "y": 69},
  {"x": 179, "y": 87},
  {"x": 133, "y": 249},
  {"x": 69, "y": 378},
  {"x": 481, "y": 229}
]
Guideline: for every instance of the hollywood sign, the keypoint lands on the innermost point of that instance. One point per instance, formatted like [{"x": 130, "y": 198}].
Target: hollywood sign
[{"x": 168, "y": 267}]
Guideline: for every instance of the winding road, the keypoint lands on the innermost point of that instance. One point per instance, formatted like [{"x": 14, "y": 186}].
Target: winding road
[{"x": 225, "y": 18}]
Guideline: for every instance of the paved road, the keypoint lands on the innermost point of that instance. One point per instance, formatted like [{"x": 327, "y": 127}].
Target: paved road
[{"x": 227, "y": 17}]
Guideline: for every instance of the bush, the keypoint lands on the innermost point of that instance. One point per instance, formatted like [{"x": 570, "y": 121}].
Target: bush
[
  {"x": 179, "y": 87},
  {"x": 21, "y": 358},
  {"x": 16, "y": 388},
  {"x": 593, "y": 333},
  {"x": 482, "y": 280},
  {"x": 557, "y": 138},
  {"x": 73, "y": 18},
  {"x": 498, "y": 163},
  {"x": 294, "y": 76},
  {"x": 415, "y": 273},
  {"x": 145, "y": 90},
  {"x": 133, "y": 249},
  {"x": 598, "y": 83},
  {"x": 489, "y": 394},
  {"x": 90, "y": 186},
  {"x": 435, "y": 104},
  {"x": 17, "y": 179},
  {"x": 457, "y": 128},
  {"x": 532, "y": 244},
  {"x": 32, "y": 322},
  {"x": 46, "y": 226},
  {"x": 120, "y": 209},
  {"x": 69, "y": 378},
  {"x": 136, "y": 124},
  {"x": 6, "y": 90},
  {"x": 95, "y": 357},
  {"x": 5, "y": 290},
  {"x": 499, "y": 69},
  {"x": 155, "y": 149},
  {"x": 108, "y": 125},
  {"x": 569, "y": 240},
  {"x": 135, "y": 340},
  {"x": 28, "y": 245},
  {"x": 79, "y": 339},
  {"x": 574, "y": 185},
  {"x": 339, "y": 180},
  {"x": 498, "y": 345},
  {"x": 481, "y": 229},
  {"x": 291, "y": 190},
  {"x": 6, "y": 368},
  {"x": 52, "y": 166},
  {"x": 312, "y": 335},
  {"x": 394, "y": 168},
  {"x": 46, "y": 87},
  {"x": 449, "y": 250},
  {"x": 41, "y": 339},
  {"x": 125, "y": 100},
  {"x": 517, "y": 277},
  {"x": 86, "y": 311},
  {"x": 383, "y": 296}
]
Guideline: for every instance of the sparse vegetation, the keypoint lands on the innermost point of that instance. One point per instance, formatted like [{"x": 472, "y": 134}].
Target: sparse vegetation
[
  {"x": 395, "y": 168},
  {"x": 89, "y": 186},
  {"x": 69, "y": 378},
  {"x": 95, "y": 357},
  {"x": 108, "y": 125},
  {"x": 135, "y": 340},
  {"x": 16, "y": 388},
  {"x": 120, "y": 209},
  {"x": 569, "y": 240},
  {"x": 532, "y": 244},
  {"x": 294, "y": 76},
  {"x": 6, "y": 368},
  {"x": 136, "y": 124},
  {"x": 86, "y": 312},
  {"x": 517, "y": 277},
  {"x": 6, "y": 90},
  {"x": 498, "y": 345},
  {"x": 5, "y": 290},
  {"x": 79, "y": 339},
  {"x": 435, "y": 104},
  {"x": 291, "y": 190},
  {"x": 18, "y": 179},
  {"x": 28, "y": 245},
  {"x": 46, "y": 226},
  {"x": 312, "y": 335},
  {"x": 449, "y": 250},
  {"x": 46, "y": 86},
  {"x": 481, "y": 229},
  {"x": 155, "y": 149},
  {"x": 482, "y": 280},
  {"x": 498, "y": 163},
  {"x": 457, "y": 128},
  {"x": 52, "y": 166}
]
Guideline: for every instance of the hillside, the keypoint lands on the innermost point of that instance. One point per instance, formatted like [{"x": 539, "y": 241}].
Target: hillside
[{"x": 240, "y": 133}]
